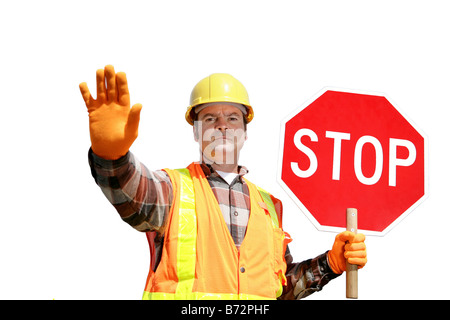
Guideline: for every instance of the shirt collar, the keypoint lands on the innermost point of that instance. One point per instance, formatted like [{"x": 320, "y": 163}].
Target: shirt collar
[{"x": 208, "y": 170}]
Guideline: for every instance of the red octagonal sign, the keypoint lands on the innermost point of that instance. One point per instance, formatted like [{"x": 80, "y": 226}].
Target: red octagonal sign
[{"x": 353, "y": 150}]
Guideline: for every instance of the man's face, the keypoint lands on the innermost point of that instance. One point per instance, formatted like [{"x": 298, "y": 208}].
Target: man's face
[{"x": 220, "y": 133}]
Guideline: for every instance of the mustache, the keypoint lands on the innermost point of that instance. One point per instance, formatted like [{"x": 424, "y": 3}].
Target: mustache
[{"x": 223, "y": 137}]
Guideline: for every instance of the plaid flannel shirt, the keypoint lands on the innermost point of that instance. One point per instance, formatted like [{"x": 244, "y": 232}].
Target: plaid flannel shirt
[{"x": 143, "y": 199}]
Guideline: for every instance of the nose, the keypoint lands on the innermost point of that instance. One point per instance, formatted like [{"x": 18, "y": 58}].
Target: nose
[{"x": 221, "y": 124}]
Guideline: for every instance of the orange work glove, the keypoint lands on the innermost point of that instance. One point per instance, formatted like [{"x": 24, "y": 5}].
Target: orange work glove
[
  {"x": 347, "y": 246},
  {"x": 113, "y": 125}
]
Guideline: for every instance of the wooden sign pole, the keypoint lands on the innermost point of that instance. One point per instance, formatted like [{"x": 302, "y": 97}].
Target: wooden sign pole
[{"x": 352, "y": 270}]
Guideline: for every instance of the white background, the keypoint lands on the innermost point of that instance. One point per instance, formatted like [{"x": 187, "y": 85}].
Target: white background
[{"x": 59, "y": 236}]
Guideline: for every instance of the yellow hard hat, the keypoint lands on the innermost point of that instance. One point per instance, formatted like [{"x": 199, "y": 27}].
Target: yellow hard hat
[{"x": 218, "y": 87}]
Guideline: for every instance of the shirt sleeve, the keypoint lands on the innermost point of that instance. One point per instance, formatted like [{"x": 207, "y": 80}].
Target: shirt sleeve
[
  {"x": 307, "y": 277},
  {"x": 141, "y": 197}
]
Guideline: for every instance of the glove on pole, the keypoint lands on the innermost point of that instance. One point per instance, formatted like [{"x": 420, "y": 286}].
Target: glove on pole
[{"x": 347, "y": 246}]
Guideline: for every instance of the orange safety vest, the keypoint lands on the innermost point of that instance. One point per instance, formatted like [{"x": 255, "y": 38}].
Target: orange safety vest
[{"x": 199, "y": 258}]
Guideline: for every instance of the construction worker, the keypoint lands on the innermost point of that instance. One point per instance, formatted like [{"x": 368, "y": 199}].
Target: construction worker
[{"x": 212, "y": 233}]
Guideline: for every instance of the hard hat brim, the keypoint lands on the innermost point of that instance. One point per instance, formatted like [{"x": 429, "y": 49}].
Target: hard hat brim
[{"x": 190, "y": 113}]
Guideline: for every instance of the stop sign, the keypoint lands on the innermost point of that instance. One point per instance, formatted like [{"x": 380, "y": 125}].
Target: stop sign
[{"x": 352, "y": 150}]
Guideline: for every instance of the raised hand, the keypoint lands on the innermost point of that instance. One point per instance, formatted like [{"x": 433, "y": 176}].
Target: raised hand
[{"x": 113, "y": 125}]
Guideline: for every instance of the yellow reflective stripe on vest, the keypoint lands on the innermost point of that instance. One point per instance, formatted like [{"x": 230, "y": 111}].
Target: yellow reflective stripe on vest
[
  {"x": 275, "y": 223},
  {"x": 270, "y": 206},
  {"x": 187, "y": 235},
  {"x": 200, "y": 296}
]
